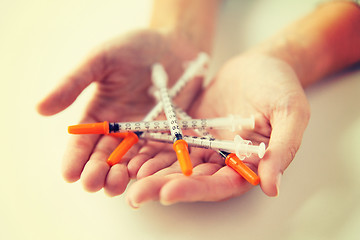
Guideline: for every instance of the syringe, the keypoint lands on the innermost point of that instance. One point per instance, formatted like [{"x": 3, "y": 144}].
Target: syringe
[
  {"x": 233, "y": 123},
  {"x": 160, "y": 78},
  {"x": 242, "y": 148},
  {"x": 194, "y": 68},
  {"x": 231, "y": 159},
  {"x": 224, "y": 148}
]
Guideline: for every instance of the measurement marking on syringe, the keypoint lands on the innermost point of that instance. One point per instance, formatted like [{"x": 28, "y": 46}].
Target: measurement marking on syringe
[
  {"x": 241, "y": 147},
  {"x": 160, "y": 125}
]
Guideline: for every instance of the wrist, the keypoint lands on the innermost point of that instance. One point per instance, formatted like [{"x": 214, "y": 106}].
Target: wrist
[
  {"x": 193, "y": 21},
  {"x": 320, "y": 44},
  {"x": 291, "y": 52}
]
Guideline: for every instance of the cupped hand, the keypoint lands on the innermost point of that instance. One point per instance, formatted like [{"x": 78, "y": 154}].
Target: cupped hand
[
  {"x": 252, "y": 84},
  {"x": 121, "y": 69}
]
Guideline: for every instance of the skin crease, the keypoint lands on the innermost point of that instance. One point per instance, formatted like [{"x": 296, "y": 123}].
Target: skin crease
[{"x": 266, "y": 82}]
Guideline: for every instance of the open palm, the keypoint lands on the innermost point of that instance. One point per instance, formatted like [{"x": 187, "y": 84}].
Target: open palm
[
  {"x": 247, "y": 85},
  {"x": 121, "y": 70}
]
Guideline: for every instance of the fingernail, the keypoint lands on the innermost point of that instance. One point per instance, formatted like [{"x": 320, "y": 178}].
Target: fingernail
[
  {"x": 278, "y": 181},
  {"x": 134, "y": 204},
  {"x": 166, "y": 203}
]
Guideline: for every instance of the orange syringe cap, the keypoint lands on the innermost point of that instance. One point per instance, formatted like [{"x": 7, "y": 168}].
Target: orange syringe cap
[
  {"x": 235, "y": 163},
  {"x": 119, "y": 134},
  {"x": 130, "y": 140},
  {"x": 182, "y": 153},
  {"x": 90, "y": 128}
]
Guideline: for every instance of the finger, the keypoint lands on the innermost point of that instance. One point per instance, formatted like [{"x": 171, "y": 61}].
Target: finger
[
  {"x": 162, "y": 160},
  {"x": 66, "y": 93},
  {"x": 147, "y": 152},
  {"x": 144, "y": 190},
  {"x": 285, "y": 140},
  {"x": 165, "y": 162},
  {"x": 150, "y": 188},
  {"x": 77, "y": 153},
  {"x": 206, "y": 169},
  {"x": 96, "y": 169},
  {"x": 224, "y": 184},
  {"x": 116, "y": 180}
]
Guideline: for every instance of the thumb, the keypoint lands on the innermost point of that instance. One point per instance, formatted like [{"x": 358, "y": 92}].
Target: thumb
[
  {"x": 285, "y": 140},
  {"x": 71, "y": 87}
]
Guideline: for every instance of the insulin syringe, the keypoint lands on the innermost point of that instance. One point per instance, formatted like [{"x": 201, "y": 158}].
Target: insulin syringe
[
  {"x": 231, "y": 159},
  {"x": 232, "y": 123},
  {"x": 160, "y": 78},
  {"x": 195, "y": 67},
  {"x": 242, "y": 148}
]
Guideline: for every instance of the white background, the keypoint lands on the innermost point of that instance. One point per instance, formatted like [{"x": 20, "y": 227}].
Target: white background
[{"x": 40, "y": 41}]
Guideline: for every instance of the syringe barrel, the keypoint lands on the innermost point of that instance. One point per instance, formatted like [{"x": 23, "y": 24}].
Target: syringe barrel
[
  {"x": 228, "y": 146},
  {"x": 194, "y": 68},
  {"x": 233, "y": 123},
  {"x": 220, "y": 123},
  {"x": 201, "y": 142},
  {"x": 251, "y": 148},
  {"x": 242, "y": 149},
  {"x": 183, "y": 115},
  {"x": 244, "y": 122},
  {"x": 159, "y": 78},
  {"x": 170, "y": 114},
  {"x": 161, "y": 137}
]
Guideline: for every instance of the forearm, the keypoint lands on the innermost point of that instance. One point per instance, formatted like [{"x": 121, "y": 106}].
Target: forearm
[
  {"x": 194, "y": 20},
  {"x": 321, "y": 43}
]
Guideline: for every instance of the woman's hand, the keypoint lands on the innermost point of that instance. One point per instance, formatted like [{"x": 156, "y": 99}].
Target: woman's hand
[
  {"x": 251, "y": 84},
  {"x": 121, "y": 69}
]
